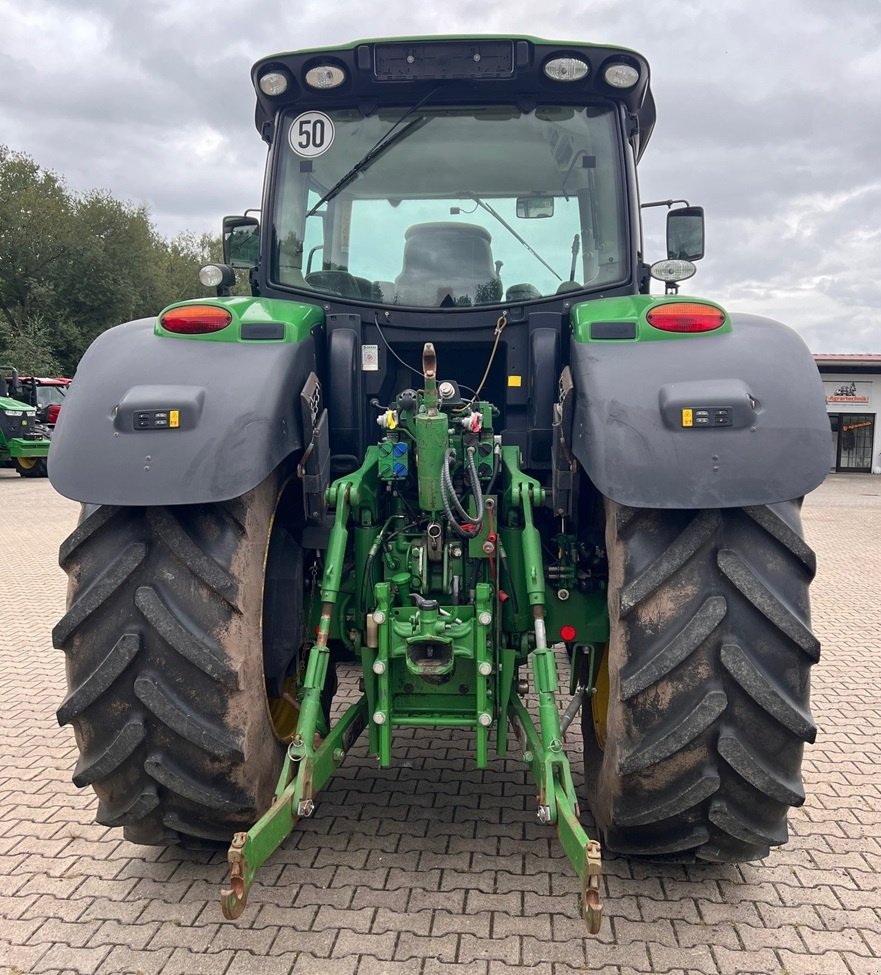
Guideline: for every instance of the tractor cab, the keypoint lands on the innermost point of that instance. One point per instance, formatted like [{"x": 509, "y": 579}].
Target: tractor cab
[
  {"x": 474, "y": 190},
  {"x": 438, "y": 175}
]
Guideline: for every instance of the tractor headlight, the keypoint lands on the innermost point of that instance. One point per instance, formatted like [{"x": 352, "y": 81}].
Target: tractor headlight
[
  {"x": 325, "y": 76},
  {"x": 566, "y": 69},
  {"x": 273, "y": 83},
  {"x": 216, "y": 275},
  {"x": 672, "y": 270},
  {"x": 621, "y": 75}
]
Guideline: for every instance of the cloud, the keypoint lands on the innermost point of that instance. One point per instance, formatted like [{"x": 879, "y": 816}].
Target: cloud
[{"x": 765, "y": 117}]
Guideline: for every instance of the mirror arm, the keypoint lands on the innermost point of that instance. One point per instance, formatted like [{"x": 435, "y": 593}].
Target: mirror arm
[{"x": 662, "y": 203}]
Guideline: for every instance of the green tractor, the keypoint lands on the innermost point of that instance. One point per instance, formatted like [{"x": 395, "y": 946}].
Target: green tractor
[
  {"x": 24, "y": 440},
  {"x": 451, "y": 434},
  {"x": 45, "y": 394}
]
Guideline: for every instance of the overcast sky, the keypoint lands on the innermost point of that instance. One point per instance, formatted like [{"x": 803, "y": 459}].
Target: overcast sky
[{"x": 769, "y": 115}]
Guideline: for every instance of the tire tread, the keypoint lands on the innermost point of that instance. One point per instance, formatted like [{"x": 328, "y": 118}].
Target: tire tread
[
  {"x": 91, "y": 768},
  {"x": 171, "y": 721},
  {"x": 173, "y": 711},
  {"x": 767, "y": 692},
  {"x": 766, "y": 602},
  {"x": 171, "y": 532},
  {"x": 95, "y": 595},
  {"x": 100, "y": 679},
  {"x": 710, "y": 653},
  {"x": 195, "y": 647}
]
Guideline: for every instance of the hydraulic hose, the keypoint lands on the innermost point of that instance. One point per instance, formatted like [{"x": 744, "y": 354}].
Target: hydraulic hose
[
  {"x": 448, "y": 495},
  {"x": 475, "y": 486},
  {"x": 447, "y": 486},
  {"x": 371, "y": 556}
]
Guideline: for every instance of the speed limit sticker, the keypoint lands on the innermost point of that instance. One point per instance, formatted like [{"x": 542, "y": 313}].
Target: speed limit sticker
[{"x": 311, "y": 134}]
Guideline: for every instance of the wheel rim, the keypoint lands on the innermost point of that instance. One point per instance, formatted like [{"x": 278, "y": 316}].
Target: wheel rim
[
  {"x": 599, "y": 702},
  {"x": 284, "y": 711},
  {"x": 281, "y": 619},
  {"x": 27, "y": 463}
]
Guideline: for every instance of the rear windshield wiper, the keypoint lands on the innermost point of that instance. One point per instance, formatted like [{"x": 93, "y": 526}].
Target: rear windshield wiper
[
  {"x": 494, "y": 213},
  {"x": 392, "y": 136}
]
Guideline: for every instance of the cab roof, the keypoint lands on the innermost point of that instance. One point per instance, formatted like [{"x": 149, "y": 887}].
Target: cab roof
[{"x": 453, "y": 70}]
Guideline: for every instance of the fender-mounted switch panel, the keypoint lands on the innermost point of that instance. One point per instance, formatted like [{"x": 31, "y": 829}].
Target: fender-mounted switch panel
[
  {"x": 704, "y": 404},
  {"x": 156, "y": 419},
  {"x": 159, "y": 407},
  {"x": 707, "y": 416}
]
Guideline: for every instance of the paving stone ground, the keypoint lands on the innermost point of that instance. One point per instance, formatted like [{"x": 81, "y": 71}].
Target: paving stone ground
[{"x": 431, "y": 867}]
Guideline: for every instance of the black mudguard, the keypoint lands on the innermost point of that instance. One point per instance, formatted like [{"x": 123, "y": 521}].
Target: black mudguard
[
  {"x": 628, "y": 431},
  {"x": 238, "y": 414}
]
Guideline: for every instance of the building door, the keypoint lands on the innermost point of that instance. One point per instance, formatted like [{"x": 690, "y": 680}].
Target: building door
[{"x": 852, "y": 436}]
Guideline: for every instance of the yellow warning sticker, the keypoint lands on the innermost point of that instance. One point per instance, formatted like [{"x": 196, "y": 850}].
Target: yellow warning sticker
[
  {"x": 688, "y": 418},
  {"x": 174, "y": 418},
  {"x": 515, "y": 381}
]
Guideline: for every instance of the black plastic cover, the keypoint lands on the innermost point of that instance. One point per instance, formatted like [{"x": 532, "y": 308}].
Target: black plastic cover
[
  {"x": 544, "y": 372},
  {"x": 413, "y": 60},
  {"x": 344, "y": 390},
  {"x": 767, "y": 438},
  {"x": 262, "y": 331},
  {"x": 238, "y": 417},
  {"x": 612, "y": 330}
]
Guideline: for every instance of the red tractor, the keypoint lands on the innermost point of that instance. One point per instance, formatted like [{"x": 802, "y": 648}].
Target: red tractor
[{"x": 45, "y": 395}]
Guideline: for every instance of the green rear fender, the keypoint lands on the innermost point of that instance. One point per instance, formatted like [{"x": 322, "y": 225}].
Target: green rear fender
[
  {"x": 726, "y": 418},
  {"x": 156, "y": 418}
]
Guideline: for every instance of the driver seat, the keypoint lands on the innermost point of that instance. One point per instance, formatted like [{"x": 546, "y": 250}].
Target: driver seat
[{"x": 447, "y": 263}]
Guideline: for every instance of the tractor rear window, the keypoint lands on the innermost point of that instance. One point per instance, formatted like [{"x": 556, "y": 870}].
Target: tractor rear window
[
  {"x": 47, "y": 395},
  {"x": 449, "y": 207}
]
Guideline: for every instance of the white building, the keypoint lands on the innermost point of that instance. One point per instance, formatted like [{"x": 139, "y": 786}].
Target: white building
[{"x": 852, "y": 384}]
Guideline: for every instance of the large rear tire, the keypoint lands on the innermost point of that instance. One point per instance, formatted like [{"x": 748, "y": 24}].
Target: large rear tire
[
  {"x": 694, "y": 752},
  {"x": 167, "y": 613}
]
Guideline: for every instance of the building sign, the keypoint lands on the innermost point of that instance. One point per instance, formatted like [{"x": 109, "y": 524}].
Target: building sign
[{"x": 847, "y": 393}]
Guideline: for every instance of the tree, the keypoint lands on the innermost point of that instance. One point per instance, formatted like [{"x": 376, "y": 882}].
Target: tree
[
  {"x": 73, "y": 265},
  {"x": 29, "y": 348},
  {"x": 34, "y": 242}
]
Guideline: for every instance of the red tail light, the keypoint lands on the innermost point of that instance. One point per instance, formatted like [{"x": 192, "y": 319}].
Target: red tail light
[
  {"x": 195, "y": 319},
  {"x": 52, "y": 412},
  {"x": 685, "y": 316}
]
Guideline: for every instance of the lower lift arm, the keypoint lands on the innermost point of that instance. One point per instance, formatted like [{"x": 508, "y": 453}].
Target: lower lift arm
[
  {"x": 543, "y": 747},
  {"x": 306, "y": 768}
]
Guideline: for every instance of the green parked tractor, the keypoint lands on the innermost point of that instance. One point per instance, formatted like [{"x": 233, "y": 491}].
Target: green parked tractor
[
  {"x": 24, "y": 440},
  {"x": 451, "y": 433}
]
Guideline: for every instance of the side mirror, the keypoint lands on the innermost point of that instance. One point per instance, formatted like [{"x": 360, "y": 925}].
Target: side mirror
[
  {"x": 685, "y": 234},
  {"x": 241, "y": 241}
]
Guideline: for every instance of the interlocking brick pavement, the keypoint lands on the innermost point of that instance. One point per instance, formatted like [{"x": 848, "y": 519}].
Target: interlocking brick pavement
[{"x": 432, "y": 868}]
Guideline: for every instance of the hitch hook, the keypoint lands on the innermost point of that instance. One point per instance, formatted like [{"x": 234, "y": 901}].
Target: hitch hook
[{"x": 234, "y": 897}]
